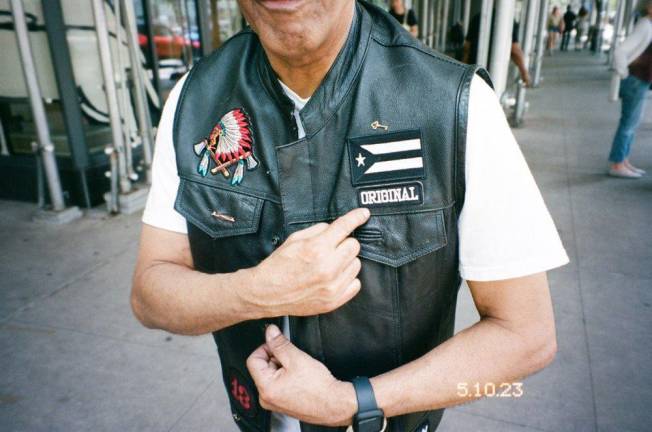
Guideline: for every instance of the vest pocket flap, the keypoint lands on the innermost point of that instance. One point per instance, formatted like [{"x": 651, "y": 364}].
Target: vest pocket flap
[
  {"x": 218, "y": 212},
  {"x": 396, "y": 239}
]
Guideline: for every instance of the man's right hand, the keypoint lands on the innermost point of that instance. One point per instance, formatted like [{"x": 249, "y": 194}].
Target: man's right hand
[{"x": 314, "y": 271}]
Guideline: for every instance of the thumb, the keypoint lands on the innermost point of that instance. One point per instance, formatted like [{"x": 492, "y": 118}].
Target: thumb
[{"x": 280, "y": 346}]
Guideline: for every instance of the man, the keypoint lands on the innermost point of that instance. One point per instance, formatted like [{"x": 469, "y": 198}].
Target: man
[
  {"x": 321, "y": 183},
  {"x": 569, "y": 25},
  {"x": 473, "y": 38}
]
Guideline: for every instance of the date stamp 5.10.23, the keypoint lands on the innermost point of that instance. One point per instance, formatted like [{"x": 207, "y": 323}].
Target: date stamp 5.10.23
[{"x": 476, "y": 390}]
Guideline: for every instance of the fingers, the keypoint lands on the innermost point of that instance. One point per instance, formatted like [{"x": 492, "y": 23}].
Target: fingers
[
  {"x": 344, "y": 225},
  {"x": 311, "y": 231},
  {"x": 348, "y": 273},
  {"x": 347, "y": 251},
  {"x": 281, "y": 348},
  {"x": 351, "y": 290},
  {"x": 260, "y": 365}
]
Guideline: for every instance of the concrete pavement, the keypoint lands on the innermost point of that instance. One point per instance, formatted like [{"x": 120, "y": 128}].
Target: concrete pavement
[{"x": 72, "y": 357}]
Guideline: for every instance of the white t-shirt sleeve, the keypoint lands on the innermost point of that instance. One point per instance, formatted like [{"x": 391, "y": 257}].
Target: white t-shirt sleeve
[
  {"x": 505, "y": 229},
  {"x": 159, "y": 210}
]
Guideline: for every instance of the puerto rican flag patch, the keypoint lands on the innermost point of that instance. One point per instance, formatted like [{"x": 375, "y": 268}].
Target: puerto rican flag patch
[{"x": 387, "y": 157}]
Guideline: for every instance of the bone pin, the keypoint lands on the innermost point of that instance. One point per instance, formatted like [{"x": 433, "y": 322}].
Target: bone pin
[{"x": 223, "y": 217}]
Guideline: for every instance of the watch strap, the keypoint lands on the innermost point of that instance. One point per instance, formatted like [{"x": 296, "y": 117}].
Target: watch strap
[
  {"x": 364, "y": 392},
  {"x": 369, "y": 417}
]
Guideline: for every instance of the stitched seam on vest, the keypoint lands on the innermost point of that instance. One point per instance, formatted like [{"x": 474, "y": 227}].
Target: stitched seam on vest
[
  {"x": 398, "y": 330},
  {"x": 421, "y": 50},
  {"x": 325, "y": 217},
  {"x": 242, "y": 190},
  {"x": 354, "y": 82}
]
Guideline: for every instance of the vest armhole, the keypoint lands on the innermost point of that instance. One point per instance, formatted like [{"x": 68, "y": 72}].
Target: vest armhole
[{"x": 463, "y": 96}]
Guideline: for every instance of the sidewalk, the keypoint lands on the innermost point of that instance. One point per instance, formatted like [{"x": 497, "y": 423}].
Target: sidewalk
[{"x": 72, "y": 357}]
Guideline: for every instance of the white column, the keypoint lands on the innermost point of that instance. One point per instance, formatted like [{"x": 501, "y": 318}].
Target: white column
[
  {"x": 485, "y": 33},
  {"x": 540, "y": 42},
  {"x": 467, "y": 16},
  {"x": 528, "y": 43},
  {"x": 501, "y": 45},
  {"x": 444, "y": 24}
]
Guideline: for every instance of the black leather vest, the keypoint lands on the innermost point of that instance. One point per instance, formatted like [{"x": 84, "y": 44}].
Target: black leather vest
[{"x": 383, "y": 87}]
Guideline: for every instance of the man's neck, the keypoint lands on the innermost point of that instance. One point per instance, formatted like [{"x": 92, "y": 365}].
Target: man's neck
[{"x": 304, "y": 73}]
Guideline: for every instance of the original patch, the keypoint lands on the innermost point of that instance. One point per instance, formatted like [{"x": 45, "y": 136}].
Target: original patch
[
  {"x": 390, "y": 194},
  {"x": 423, "y": 427},
  {"x": 386, "y": 157},
  {"x": 231, "y": 142},
  {"x": 242, "y": 393}
]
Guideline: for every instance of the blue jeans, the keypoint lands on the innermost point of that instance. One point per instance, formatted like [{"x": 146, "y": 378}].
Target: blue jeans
[{"x": 633, "y": 93}]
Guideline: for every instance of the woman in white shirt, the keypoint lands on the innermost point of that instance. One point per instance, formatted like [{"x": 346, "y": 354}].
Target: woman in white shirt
[{"x": 633, "y": 63}]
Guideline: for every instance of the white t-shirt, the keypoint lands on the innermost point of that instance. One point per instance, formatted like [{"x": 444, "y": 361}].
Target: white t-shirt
[{"x": 505, "y": 230}]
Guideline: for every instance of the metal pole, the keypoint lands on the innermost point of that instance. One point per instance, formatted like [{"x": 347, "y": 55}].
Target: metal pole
[
  {"x": 203, "y": 21},
  {"x": 116, "y": 149},
  {"x": 604, "y": 15},
  {"x": 144, "y": 120},
  {"x": 457, "y": 11},
  {"x": 628, "y": 21},
  {"x": 540, "y": 41},
  {"x": 501, "y": 45},
  {"x": 618, "y": 25},
  {"x": 151, "y": 46},
  {"x": 72, "y": 116},
  {"x": 437, "y": 26},
  {"x": 430, "y": 14},
  {"x": 123, "y": 93},
  {"x": 528, "y": 42},
  {"x": 486, "y": 13},
  {"x": 38, "y": 110},
  {"x": 4, "y": 148},
  {"x": 421, "y": 19},
  {"x": 467, "y": 16},
  {"x": 444, "y": 24}
]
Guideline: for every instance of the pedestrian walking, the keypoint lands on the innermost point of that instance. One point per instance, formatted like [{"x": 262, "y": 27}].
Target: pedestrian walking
[
  {"x": 633, "y": 63},
  {"x": 555, "y": 26},
  {"x": 321, "y": 185},
  {"x": 582, "y": 27},
  {"x": 569, "y": 26}
]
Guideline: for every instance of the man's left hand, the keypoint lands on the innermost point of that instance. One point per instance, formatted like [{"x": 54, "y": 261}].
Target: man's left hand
[{"x": 291, "y": 382}]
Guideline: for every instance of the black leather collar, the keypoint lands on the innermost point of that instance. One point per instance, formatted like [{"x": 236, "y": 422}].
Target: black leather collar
[{"x": 337, "y": 83}]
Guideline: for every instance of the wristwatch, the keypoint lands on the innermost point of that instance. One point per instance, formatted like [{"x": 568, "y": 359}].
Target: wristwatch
[{"x": 369, "y": 417}]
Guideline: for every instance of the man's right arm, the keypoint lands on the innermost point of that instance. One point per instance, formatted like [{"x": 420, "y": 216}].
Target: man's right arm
[
  {"x": 314, "y": 271},
  {"x": 168, "y": 294}
]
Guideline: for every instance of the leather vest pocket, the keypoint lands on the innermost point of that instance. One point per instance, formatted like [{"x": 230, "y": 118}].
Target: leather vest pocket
[
  {"x": 218, "y": 212},
  {"x": 396, "y": 239}
]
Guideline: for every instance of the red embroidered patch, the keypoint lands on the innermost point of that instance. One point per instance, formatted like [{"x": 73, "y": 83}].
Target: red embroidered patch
[{"x": 242, "y": 392}]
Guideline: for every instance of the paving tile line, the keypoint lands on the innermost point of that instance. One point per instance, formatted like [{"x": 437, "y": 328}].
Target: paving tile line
[
  {"x": 506, "y": 422},
  {"x": 109, "y": 337},
  {"x": 74, "y": 279},
  {"x": 192, "y": 404},
  {"x": 575, "y": 254}
]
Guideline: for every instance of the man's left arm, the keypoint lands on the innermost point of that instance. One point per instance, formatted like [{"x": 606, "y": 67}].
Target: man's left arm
[{"x": 514, "y": 338}]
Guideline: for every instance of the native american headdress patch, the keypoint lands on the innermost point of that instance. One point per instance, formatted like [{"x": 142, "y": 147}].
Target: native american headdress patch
[{"x": 229, "y": 143}]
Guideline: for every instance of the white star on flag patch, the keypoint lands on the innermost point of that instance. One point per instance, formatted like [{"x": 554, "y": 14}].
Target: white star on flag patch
[{"x": 391, "y": 156}]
